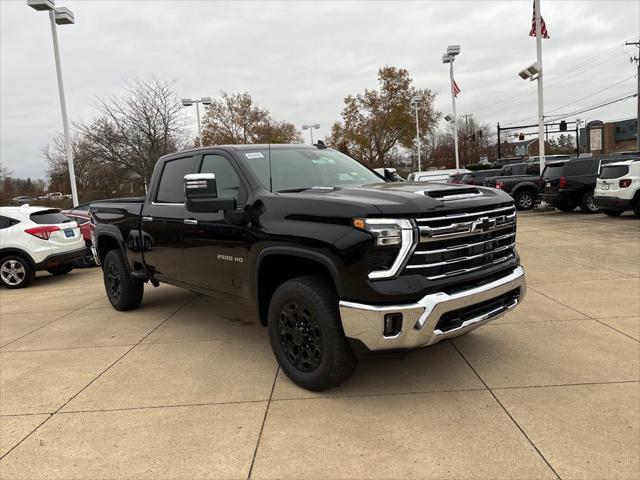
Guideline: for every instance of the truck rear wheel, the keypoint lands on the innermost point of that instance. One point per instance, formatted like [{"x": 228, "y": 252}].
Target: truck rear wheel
[
  {"x": 124, "y": 292},
  {"x": 525, "y": 200},
  {"x": 306, "y": 334}
]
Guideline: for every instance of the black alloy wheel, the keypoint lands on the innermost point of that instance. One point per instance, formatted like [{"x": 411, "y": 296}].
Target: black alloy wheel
[
  {"x": 300, "y": 336},
  {"x": 113, "y": 282},
  {"x": 124, "y": 292}
]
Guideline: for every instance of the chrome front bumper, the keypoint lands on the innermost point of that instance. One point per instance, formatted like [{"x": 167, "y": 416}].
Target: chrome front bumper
[{"x": 419, "y": 320}]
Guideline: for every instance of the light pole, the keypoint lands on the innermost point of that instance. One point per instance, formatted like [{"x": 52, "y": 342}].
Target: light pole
[
  {"x": 310, "y": 127},
  {"x": 60, "y": 16},
  {"x": 415, "y": 102},
  {"x": 448, "y": 57},
  {"x": 187, "y": 102}
]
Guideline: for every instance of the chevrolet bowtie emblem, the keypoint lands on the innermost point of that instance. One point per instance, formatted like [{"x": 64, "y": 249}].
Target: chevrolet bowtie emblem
[{"x": 484, "y": 224}]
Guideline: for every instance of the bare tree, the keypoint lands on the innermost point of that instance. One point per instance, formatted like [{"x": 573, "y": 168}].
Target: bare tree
[{"x": 137, "y": 128}]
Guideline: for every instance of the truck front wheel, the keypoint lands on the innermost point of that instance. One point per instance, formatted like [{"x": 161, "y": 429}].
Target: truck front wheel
[
  {"x": 124, "y": 292},
  {"x": 306, "y": 334}
]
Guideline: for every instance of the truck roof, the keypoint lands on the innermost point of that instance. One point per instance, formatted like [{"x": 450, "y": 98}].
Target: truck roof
[{"x": 250, "y": 146}]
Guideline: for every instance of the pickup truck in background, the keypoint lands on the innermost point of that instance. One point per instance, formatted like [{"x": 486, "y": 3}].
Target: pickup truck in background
[
  {"x": 521, "y": 181},
  {"x": 329, "y": 256}
]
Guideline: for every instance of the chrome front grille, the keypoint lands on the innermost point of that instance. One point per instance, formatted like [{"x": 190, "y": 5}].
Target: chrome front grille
[{"x": 463, "y": 242}]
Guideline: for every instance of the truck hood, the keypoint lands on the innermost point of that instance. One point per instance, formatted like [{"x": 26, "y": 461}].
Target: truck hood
[{"x": 407, "y": 198}]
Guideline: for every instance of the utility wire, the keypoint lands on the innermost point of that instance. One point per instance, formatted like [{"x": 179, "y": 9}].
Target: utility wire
[
  {"x": 576, "y": 69},
  {"x": 588, "y": 109},
  {"x": 571, "y": 103}
]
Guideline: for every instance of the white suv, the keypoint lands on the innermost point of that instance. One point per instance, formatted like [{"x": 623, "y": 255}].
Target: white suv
[
  {"x": 36, "y": 238},
  {"x": 618, "y": 187}
]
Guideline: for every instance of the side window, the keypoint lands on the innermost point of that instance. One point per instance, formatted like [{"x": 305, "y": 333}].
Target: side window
[
  {"x": 227, "y": 180},
  {"x": 578, "y": 168},
  {"x": 171, "y": 187},
  {"x": 5, "y": 222}
]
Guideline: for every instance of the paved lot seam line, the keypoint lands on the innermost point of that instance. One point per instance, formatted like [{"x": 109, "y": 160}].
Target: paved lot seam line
[
  {"x": 264, "y": 420},
  {"x": 94, "y": 379},
  {"x": 39, "y": 328},
  {"x": 588, "y": 316},
  {"x": 506, "y": 411}
]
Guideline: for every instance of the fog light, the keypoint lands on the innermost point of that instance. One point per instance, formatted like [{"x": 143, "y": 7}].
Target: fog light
[{"x": 392, "y": 324}]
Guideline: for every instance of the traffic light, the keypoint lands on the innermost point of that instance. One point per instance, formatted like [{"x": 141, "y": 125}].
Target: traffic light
[{"x": 563, "y": 126}]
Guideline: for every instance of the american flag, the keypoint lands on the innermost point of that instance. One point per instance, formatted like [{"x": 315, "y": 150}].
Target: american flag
[
  {"x": 543, "y": 26},
  {"x": 456, "y": 89}
]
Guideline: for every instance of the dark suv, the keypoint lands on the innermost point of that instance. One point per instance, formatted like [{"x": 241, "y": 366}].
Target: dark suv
[{"x": 568, "y": 184}]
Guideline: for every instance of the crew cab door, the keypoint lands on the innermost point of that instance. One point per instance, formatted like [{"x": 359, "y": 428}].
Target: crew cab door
[
  {"x": 216, "y": 244},
  {"x": 161, "y": 233}
]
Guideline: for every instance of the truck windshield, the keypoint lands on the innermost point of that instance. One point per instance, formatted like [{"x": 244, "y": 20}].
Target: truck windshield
[{"x": 300, "y": 168}]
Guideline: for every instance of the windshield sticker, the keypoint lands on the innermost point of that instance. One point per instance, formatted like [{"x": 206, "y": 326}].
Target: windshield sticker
[{"x": 253, "y": 155}]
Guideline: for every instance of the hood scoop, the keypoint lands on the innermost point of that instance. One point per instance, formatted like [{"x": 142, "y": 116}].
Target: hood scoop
[{"x": 452, "y": 193}]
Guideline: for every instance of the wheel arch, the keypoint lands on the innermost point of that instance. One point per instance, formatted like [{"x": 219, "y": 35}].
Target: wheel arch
[
  {"x": 4, "y": 252},
  {"x": 274, "y": 265}
]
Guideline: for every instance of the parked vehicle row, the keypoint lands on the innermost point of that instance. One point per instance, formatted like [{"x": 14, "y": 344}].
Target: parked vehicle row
[{"x": 568, "y": 184}]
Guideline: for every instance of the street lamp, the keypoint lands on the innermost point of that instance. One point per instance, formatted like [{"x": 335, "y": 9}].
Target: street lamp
[
  {"x": 448, "y": 57},
  {"x": 60, "y": 16},
  {"x": 310, "y": 127},
  {"x": 187, "y": 102},
  {"x": 415, "y": 102}
]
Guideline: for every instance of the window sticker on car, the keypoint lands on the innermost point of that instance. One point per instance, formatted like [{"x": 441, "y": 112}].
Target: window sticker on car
[{"x": 252, "y": 155}]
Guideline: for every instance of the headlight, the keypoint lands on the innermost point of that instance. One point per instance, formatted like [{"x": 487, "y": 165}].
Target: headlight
[{"x": 393, "y": 242}]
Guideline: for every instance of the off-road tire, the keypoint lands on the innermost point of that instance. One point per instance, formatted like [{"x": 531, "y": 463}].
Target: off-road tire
[
  {"x": 61, "y": 269},
  {"x": 124, "y": 292},
  {"x": 318, "y": 329},
  {"x": 588, "y": 205},
  {"x": 525, "y": 200},
  {"x": 15, "y": 271},
  {"x": 612, "y": 213}
]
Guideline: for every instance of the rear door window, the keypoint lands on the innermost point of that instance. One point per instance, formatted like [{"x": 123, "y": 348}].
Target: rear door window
[
  {"x": 614, "y": 171},
  {"x": 171, "y": 186},
  {"x": 49, "y": 217}
]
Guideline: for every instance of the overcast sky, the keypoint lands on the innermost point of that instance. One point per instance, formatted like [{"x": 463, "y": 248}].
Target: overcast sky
[{"x": 301, "y": 58}]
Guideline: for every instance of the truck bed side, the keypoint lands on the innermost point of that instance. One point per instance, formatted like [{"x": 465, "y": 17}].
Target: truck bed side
[{"x": 118, "y": 222}]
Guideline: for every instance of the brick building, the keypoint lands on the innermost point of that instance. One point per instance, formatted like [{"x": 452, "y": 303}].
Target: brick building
[{"x": 602, "y": 138}]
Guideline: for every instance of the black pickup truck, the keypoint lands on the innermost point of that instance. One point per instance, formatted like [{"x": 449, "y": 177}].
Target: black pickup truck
[
  {"x": 329, "y": 255},
  {"x": 521, "y": 181}
]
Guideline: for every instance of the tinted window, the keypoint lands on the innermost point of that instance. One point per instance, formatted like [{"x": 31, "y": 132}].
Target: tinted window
[
  {"x": 171, "y": 188},
  {"x": 533, "y": 168},
  {"x": 553, "y": 170},
  {"x": 578, "y": 168},
  {"x": 227, "y": 180},
  {"x": 48, "y": 217},
  {"x": 614, "y": 171},
  {"x": 6, "y": 222}
]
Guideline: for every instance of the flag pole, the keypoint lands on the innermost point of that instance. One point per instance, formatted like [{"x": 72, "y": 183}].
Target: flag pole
[{"x": 536, "y": 4}]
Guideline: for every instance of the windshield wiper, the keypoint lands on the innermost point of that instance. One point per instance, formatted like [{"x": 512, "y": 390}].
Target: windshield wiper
[{"x": 302, "y": 189}]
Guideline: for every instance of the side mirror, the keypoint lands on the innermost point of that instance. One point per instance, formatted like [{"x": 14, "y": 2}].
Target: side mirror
[
  {"x": 201, "y": 194},
  {"x": 390, "y": 175}
]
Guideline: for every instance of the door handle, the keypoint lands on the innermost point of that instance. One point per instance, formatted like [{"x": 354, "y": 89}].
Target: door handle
[
  {"x": 147, "y": 219},
  {"x": 190, "y": 221}
]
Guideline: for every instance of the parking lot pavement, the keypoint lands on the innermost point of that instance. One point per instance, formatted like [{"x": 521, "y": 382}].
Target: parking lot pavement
[{"x": 186, "y": 386}]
